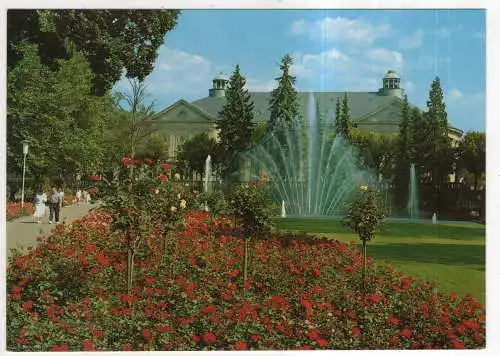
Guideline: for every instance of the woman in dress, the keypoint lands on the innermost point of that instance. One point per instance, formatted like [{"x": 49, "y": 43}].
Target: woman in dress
[{"x": 40, "y": 200}]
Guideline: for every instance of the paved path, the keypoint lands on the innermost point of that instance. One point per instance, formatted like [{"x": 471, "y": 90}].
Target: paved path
[{"x": 24, "y": 231}]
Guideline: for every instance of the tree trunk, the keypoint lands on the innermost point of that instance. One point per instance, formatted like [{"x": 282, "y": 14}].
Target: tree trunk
[
  {"x": 364, "y": 266},
  {"x": 130, "y": 270},
  {"x": 476, "y": 179},
  {"x": 245, "y": 271}
]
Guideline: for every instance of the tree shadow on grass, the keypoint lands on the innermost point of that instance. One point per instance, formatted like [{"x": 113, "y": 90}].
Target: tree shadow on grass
[{"x": 471, "y": 256}]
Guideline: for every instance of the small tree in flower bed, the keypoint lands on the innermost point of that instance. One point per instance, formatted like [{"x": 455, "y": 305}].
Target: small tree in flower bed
[
  {"x": 364, "y": 216},
  {"x": 250, "y": 205},
  {"x": 140, "y": 201},
  {"x": 301, "y": 294}
]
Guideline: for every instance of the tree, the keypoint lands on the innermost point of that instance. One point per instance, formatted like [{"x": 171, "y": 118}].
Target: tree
[
  {"x": 111, "y": 40},
  {"x": 404, "y": 154},
  {"x": 338, "y": 119},
  {"x": 472, "y": 154},
  {"x": 193, "y": 153},
  {"x": 58, "y": 114},
  {"x": 343, "y": 121},
  {"x": 283, "y": 104},
  {"x": 437, "y": 147},
  {"x": 235, "y": 124},
  {"x": 139, "y": 113}
]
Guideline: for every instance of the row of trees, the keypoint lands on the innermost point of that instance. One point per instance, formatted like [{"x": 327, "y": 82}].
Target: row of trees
[
  {"x": 423, "y": 138},
  {"x": 61, "y": 67}
]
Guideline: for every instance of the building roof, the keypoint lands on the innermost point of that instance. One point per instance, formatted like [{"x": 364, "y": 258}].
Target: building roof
[
  {"x": 360, "y": 103},
  {"x": 392, "y": 74}
]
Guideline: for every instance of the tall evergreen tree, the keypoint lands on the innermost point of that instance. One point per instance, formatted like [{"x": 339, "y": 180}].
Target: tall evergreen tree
[
  {"x": 234, "y": 124},
  {"x": 404, "y": 154},
  {"x": 345, "y": 118},
  {"x": 439, "y": 156},
  {"x": 283, "y": 103},
  {"x": 338, "y": 122}
]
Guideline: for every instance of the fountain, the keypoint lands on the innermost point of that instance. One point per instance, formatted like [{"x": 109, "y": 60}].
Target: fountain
[
  {"x": 283, "y": 211},
  {"x": 208, "y": 173},
  {"x": 413, "y": 194},
  {"x": 311, "y": 170}
]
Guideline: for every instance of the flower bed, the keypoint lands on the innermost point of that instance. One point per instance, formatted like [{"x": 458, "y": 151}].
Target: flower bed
[
  {"x": 15, "y": 211},
  {"x": 67, "y": 294}
]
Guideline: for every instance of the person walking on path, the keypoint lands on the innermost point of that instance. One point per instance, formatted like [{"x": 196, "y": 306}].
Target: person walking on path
[
  {"x": 40, "y": 201},
  {"x": 54, "y": 205},
  {"x": 78, "y": 197}
]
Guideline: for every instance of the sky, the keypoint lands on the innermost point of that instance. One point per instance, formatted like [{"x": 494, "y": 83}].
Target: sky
[{"x": 333, "y": 50}]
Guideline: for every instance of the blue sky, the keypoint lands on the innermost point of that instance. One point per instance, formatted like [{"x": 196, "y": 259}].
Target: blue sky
[{"x": 334, "y": 50}]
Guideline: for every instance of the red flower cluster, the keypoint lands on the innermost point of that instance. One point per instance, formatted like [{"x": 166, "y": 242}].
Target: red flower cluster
[
  {"x": 165, "y": 166},
  {"x": 95, "y": 178},
  {"x": 163, "y": 177},
  {"x": 189, "y": 293}
]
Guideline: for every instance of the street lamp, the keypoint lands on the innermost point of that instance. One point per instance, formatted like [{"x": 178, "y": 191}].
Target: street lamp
[{"x": 25, "y": 153}]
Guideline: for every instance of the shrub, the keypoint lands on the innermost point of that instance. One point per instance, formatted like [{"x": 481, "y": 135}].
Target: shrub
[{"x": 302, "y": 294}]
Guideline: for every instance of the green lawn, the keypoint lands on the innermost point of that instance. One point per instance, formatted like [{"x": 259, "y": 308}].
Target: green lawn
[{"x": 452, "y": 255}]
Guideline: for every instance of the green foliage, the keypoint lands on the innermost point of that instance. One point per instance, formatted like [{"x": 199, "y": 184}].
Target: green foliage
[
  {"x": 404, "y": 154},
  {"x": 57, "y": 113},
  {"x": 111, "y": 40},
  {"x": 343, "y": 118},
  {"x": 377, "y": 151},
  {"x": 250, "y": 203},
  {"x": 472, "y": 154},
  {"x": 193, "y": 153},
  {"x": 433, "y": 152},
  {"x": 283, "y": 104},
  {"x": 235, "y": 124},
  {"x": 365, "y": 213}
]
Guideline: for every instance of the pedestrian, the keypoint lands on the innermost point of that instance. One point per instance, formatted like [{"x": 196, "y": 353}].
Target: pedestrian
[
  {"x": 85, "y": 195},
  {"x": 88, "y": 197},
  {"x": 54, "y": 205},
  {"x": 61, "y": 193},
  {"x": 78, "y": 197},
  {"x": 40, "y": 201}
]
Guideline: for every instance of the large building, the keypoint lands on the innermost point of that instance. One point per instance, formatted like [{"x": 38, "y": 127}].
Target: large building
[{"x": 378, "y": 111}]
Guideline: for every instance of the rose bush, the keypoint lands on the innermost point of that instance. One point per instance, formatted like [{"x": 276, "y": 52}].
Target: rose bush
[
  {"x": 14, "y": 209},
  {"x": 301, "y": 293}
]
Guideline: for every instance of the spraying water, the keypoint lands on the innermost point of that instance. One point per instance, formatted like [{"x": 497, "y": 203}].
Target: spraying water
[
  {"x": 208, "y": 173},
  {"x": 283, "y": 210},
  {"x": 413, "y": 194},
  {"x": 312, "y": 170}
]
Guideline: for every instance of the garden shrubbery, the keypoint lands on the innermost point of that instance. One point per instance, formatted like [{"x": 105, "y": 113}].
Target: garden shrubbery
[{"x": 187, "y": 291}]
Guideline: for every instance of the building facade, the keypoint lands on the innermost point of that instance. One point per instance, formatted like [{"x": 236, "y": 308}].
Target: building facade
[{"x": 378, "y": 112}]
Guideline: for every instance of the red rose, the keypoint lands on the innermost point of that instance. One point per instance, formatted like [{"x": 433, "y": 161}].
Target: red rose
[
  {"x": 165, "y": 166},
  {"x": 209, "y": 338},
  {"x": 163, "y": 177},
  {"x": 127, "y": 161},
  {"x": 147, "y": 161},
  {"x": 147, "y": 334},
  {"x": 240, "y": 345},
  {"x": 356, "y": 331}
]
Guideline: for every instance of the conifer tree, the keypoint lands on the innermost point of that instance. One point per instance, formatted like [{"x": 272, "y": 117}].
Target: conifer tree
[
  {"x": 283, "y": 103},
  {"x": 234, "y": 124},
  {"x": 345, "y": 118},
  {"x": 404, "y": 154}
]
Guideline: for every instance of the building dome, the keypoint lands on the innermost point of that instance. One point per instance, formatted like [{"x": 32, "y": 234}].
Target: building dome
[
  {"x": 221, "y": 76},
  {"x": 392, "y": 74},
  {"x": 391, "y": 85},
  {"x": 219, "y": 84}
]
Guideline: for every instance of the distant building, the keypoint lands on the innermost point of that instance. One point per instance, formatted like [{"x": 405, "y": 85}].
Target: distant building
[{"x": 370, "y": 111}]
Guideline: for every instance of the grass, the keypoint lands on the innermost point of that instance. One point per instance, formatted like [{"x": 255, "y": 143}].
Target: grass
[{"x": 452, "y": 255}]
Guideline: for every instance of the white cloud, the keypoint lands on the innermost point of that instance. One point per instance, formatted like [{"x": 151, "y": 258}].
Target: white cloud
[
  {"x": 412, "y": 41},
  {"x": 455, "y": 94},
  {"x": 446, "y": 32},
  {"x": 385, "y": 56},
  {"x": 341, "y": 29},
  {"x": 459, "y": 99},
  {"x": 352, "y": 69}
]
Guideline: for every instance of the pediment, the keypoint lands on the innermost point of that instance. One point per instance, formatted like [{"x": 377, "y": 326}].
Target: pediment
[{"x": 183, "y": 112}]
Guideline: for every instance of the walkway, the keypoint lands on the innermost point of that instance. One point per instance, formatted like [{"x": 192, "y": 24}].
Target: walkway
[{"x": 24, "y": 231}]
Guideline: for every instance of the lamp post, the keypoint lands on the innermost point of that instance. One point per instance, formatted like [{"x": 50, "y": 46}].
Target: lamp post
[{"x": 25, "y": 153}]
